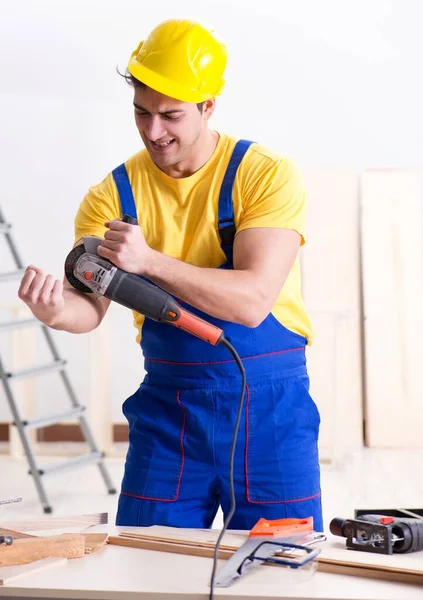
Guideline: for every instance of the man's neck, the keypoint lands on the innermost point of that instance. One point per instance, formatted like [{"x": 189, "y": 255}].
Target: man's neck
[{"x": 197, "y": 159}]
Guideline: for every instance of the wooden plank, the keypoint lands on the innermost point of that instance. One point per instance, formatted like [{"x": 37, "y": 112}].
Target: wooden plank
[
  {"x": 362, "y": 571},
  {"x": 9, "y": 575},
  {"x": 94, "y": 541},
  {"x": 392, "y": 247},
  {"x": 334, "y": 557},
  {"x": 172, "y": 547},
  {"x": 172, "y": 540},
  {"x": 24, "y": 551},
  {"x": 232, "y": 538},
  {"x": 99, "y": 406},
  {"x": 330, "y": 263},
  {"x": 65, "y": 546},
  {"x": 58, "y": 522},
  {"x": 395, "y": 564},
  {"x": 16, "y": 535},
  {"x": 323, "y": 368}
]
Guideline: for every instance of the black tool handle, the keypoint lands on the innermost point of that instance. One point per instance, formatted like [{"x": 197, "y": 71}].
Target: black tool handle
[
  {"x": 130, "y": 220},
  {"x": 337, "y": 527},
  {"x": 143, "y": 297}
]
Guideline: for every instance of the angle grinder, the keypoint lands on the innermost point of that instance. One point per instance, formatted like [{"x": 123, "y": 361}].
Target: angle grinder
[{"x": 88, "y": 272}]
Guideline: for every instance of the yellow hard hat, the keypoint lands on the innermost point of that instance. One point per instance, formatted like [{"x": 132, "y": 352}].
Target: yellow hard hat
[{"x": 181, "y": 59}]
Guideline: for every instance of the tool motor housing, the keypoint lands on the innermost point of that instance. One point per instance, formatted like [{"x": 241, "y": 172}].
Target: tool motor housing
[{"x": 105, "y": 279}]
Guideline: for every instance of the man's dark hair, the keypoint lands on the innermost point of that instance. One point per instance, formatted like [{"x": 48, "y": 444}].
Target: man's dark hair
[{"x": 136, "y": 83}]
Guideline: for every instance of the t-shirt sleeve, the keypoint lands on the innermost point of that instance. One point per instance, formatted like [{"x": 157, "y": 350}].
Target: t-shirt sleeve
[
  {"x": 274, "y": 195},
  {"x": 100, "y": 204}
]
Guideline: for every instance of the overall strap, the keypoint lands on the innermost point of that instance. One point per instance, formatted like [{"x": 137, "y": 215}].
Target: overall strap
[
  {"x": 226, "y": 222},
  {"x": 124, "y": 189}
]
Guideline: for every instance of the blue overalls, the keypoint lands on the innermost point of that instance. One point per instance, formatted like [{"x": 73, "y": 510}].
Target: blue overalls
[{"x": 181, "y": 418}]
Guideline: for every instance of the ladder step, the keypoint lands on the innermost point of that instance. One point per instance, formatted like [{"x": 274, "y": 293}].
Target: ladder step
[
  {"x": 11, "y": 275},
  {"x": 57, "y": 418},
  {"x": 58, "y": 365},
  {"x": 19, "y": 324},
  {"x": 5, "y": 227},
  {"x": 81, "y": 460}
]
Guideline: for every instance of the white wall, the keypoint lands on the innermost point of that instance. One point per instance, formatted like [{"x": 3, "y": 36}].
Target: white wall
[{"x": 332, "y": 83}]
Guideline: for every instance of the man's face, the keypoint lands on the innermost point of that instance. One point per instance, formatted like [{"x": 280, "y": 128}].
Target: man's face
[{"x": 170, "y": 129}]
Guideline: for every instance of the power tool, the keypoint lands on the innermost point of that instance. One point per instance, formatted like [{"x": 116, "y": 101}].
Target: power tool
[
  {"x": 88, "y": 272},
  {"x": 381, "y": 533}
]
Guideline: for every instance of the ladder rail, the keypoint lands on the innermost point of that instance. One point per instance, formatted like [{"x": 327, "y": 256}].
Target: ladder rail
[{"x": 23, "y": 435}]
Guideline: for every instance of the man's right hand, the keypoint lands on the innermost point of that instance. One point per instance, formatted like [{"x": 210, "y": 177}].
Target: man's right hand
[{"x": 43, "y": 294}]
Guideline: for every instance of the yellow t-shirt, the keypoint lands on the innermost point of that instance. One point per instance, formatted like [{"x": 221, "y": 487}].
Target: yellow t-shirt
[{"x": 179, "y": 216}]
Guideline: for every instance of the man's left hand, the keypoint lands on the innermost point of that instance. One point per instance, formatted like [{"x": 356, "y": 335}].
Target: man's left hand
[{"x": 125, "y": 246}]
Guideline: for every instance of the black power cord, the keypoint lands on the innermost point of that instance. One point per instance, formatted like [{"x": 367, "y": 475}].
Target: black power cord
[{"x": 231, "y": 462}]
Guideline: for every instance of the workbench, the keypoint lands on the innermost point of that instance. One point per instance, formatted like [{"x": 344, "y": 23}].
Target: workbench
[{"x": 118, "y": 573}]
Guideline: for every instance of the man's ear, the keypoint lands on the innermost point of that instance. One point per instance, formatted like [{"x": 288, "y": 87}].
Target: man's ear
[{"x": 208, "y": 108}]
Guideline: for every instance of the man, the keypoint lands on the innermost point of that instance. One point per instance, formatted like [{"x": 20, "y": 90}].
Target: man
[{"x": 220, "y": 227}]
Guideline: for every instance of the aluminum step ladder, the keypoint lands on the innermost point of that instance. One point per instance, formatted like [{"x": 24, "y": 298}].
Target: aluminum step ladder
[{"x": 58, "y": 365}]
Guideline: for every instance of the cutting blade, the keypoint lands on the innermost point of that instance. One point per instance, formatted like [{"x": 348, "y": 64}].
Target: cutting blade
[{"x": 239, "y": 563}]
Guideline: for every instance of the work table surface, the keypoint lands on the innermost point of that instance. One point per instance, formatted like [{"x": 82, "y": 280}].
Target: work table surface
[{"x": 119, "y": 573}]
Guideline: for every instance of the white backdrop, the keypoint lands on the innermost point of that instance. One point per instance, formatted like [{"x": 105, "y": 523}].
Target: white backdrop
[{"x": 332, "y": 83}]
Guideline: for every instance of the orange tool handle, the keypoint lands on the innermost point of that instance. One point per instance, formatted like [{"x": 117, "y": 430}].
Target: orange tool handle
[
  {"x": 282, "y": 527},
  {"x": 198, "y": 327}
]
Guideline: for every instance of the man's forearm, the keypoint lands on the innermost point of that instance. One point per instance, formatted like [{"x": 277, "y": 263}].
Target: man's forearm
[
  {"x": 246, "y": 294},
  {"x": 232, "y": 295},
  {"x": 82, "y": 312}
]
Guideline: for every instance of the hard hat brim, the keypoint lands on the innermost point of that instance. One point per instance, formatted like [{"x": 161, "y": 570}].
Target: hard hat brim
[{"x": 166, "y": 86}]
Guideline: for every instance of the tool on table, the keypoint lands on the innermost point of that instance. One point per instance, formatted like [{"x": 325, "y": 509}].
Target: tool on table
[
  {"x": 88, "y": 272},
  {"x": 381, "y": 532},
  {"x": 290, "y": 550}
]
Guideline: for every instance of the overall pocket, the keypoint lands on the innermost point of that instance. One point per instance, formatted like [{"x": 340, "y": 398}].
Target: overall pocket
[
  {"x": 281, "y": 454},
  {"x": 155, "y": 458}
]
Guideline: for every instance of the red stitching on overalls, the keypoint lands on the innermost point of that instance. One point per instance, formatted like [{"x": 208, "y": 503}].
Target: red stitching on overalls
[
  {"x": 247, "y": 485},
  {"x": 178, "y": 399},
  {"x": 219, "y": 362}
]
